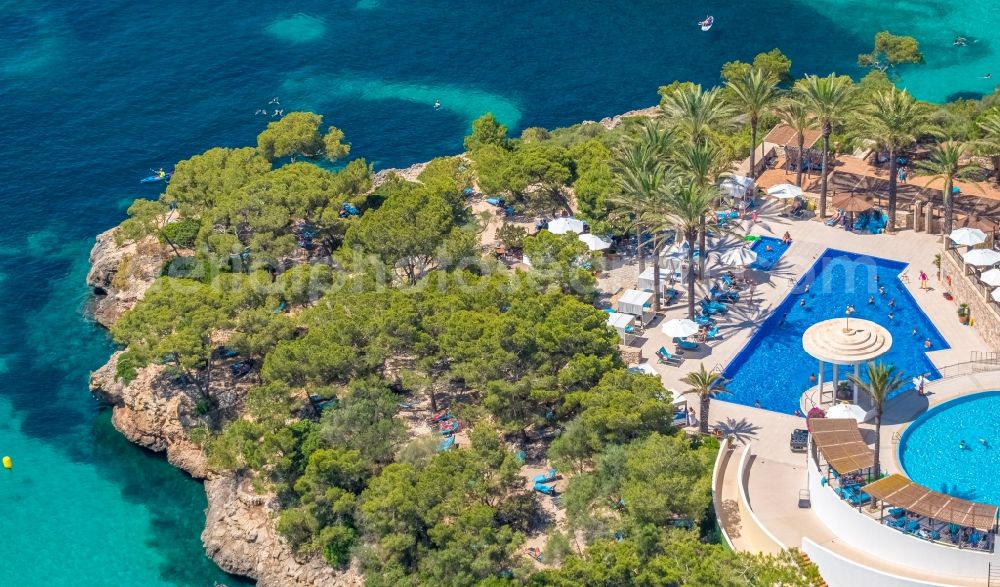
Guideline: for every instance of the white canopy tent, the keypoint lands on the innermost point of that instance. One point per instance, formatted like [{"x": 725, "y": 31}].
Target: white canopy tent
[
  {"x": 667, "y": 274},
  {"x": 785, "y": 191},
  {"x": 736, "y": 186},
  {"x": 564, "y": 225},
  {"x": 596, "y": 243},
  {"x": 623, "y": 324},
  {"x": 637, "y": 303}
]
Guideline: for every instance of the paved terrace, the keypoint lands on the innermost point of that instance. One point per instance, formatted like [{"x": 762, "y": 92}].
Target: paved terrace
[{"x": 776, "y": 474}]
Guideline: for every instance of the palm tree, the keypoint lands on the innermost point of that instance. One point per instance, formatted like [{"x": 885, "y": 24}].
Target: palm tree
[
  {"x": 638, "y": 172},
  {"x": 702, "y": 164},
  {"x": 827, "y": 99},
  {"x": 883, "y": 381},
  {"x": 754, "y": 94},
  {"x": 686, "y": 206},
  {"x": 705, "y": 385},
  {"x": 695, "y": 112},
  {"x": 948, "y": 162},
  {"x": 795, "y": 115},
  {"x": 989, "y": 144},
  {"x": 894, "y": 121}
]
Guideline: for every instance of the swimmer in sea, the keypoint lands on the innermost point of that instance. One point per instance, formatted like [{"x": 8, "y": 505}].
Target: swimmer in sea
[{"x": 437, "y": 104}]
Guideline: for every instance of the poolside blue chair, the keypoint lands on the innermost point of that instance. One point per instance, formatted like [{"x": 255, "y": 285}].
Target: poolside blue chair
[
  {"x": 713, "y": 333},
  {"x": 685, "y": 344},
  {"x": 897, "y": 512},
  {"x": 703, "y": 319},
  {"x": 668, "y": 358},
  {"x": 913, "y": 526},
  {"x": 547, "y": 477},
  {"x": 975, "y": 538},
  {"x": 897, "y": 524},
  {"x": 716, "y": 308},
  {"x": 546, "y": 489}
]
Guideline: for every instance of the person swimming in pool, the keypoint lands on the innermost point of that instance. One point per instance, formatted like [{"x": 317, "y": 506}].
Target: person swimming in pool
[
  {"x": 983, "y": 442},
  {"x": 961, "y": 445},
  {"x": 927, "y": 343},
  {"x": 871, "y": 299}
]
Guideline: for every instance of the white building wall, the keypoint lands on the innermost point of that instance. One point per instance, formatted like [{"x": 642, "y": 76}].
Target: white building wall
[{"x": 880, "y": 541}]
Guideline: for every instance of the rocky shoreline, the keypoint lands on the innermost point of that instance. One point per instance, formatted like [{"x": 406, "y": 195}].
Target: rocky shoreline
[{"x": 240, "y": 534}]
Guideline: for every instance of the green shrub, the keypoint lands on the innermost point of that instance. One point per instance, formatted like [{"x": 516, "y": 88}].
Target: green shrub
[{"x": 181, "y": 233}]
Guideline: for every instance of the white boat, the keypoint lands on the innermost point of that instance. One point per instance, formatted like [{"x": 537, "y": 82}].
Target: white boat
[{"x": 707, "y": 23}]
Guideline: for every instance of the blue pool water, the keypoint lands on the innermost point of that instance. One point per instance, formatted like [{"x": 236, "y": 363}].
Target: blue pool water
[
  {"x": 930, "y": 454},
  {"x": 96, "y": 93},
  {"x": 766, "y": 259},
  {"x": 774, "y": 370}
]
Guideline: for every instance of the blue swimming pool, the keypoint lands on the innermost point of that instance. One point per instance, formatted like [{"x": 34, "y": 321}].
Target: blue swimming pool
[
  {"x": 769, "y": 250},
  {"x": 773, "y": 369},
  {"x": 931, "y": 454}
]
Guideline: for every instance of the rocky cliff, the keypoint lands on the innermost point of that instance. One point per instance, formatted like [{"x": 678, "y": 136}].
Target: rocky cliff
[
  {"x": 240, "y": 537},
  {"x": 156, "y": 414},
  {"x": 120, "y": 274}
]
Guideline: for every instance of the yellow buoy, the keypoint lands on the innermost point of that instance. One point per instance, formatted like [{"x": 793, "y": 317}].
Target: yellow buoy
[{"x": 7, "y": 463}]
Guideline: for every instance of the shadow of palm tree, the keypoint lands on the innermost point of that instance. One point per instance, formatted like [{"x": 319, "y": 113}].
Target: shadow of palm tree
[{"x": 741, "y": 430}]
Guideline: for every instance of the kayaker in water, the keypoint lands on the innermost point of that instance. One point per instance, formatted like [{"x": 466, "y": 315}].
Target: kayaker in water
[{"x": 161, "y": 173}]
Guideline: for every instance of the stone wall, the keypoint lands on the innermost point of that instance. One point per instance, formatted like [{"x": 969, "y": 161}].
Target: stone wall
[{"x": 967, "y": 290}]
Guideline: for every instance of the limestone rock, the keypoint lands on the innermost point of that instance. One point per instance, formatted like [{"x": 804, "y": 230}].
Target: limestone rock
[
  {"x": 152, "y": 413},
  {"x": 241, "y": 538},
  {"x": 120, "y": 275}
]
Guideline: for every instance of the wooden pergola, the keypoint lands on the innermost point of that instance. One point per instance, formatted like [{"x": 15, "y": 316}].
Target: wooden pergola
[{"x": 896, "y": 490}]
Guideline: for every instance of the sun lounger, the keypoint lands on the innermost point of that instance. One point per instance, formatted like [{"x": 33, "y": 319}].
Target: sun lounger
[
  {"x": 703, "y": 319},
  {"x": 446, "y": 443},
  {"x": 667, "y": 357},
  {"x": 897, "y": 512},
  {"x": 713, "y": 333},
  {"x": 547, "y": 477},
  {"x": 546, "y": 489},
  {"x": 685, "y": 344}
]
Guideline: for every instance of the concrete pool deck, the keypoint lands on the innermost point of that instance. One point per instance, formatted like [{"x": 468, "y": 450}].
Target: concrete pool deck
[{"x": 774, "y": 475}]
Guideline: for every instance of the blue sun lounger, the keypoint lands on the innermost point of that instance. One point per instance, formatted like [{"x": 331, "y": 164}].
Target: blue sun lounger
[
  {"x": 546, "y": 489},
  {"x": 548, "y": 477},
  {"x": 667, "y": 357},
  {"x": 685, "y": 344}
]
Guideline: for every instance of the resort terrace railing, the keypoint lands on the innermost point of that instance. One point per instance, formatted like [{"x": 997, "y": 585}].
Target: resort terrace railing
[{"x": 980, "y": 362}]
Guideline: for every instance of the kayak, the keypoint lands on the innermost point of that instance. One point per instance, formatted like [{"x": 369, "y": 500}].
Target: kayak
[
  {"x": 156, "y": 178},
  {"x": 707, "y": 23}
]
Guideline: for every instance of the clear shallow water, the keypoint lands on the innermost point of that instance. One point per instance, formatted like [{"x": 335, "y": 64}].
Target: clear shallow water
[
  {"x": 766, "y": 259},
  {"x": 930, "y": 454},
  {"x": 774, "y": 370},
  {"x": 94, "y": 94}
]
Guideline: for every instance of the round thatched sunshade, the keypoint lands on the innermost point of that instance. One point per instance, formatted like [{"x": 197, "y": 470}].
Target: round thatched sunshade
[
  {"x": 853, "y": 203},
  {"x": 846, "y": 341}
]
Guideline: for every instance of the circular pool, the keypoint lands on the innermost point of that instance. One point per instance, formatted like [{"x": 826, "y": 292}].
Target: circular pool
[{"x": 931, "y": 449}]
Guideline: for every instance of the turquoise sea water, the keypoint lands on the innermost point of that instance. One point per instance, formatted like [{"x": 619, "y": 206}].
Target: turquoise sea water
[{"x": 93, "y": 94}]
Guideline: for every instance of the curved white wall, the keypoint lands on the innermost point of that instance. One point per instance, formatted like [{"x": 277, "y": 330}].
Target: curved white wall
[
  {"x": 838, "y": 571},
  {"x": 721, "y": 462},
  {"x": 866, "y": 534}
]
